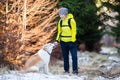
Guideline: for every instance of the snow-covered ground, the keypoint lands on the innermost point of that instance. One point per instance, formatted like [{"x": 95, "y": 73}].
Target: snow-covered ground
[
  {"x": 84, "y": 59},
  {"x": 41, "y": 76}
]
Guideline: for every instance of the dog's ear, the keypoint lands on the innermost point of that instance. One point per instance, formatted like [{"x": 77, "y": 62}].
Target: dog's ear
[{"x": 45, "y": 47}]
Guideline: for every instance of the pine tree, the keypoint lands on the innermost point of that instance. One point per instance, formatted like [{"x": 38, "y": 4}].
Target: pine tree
[
  {"x": 116, "y": 30},
  {"x": 111, "y": 15},
  {"x": 85, "y": 12}
]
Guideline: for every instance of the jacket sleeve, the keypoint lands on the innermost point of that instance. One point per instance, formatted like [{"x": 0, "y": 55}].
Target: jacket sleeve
[
  {"x": 58, "y": 32},
  {"x": 73, "y": 30}
]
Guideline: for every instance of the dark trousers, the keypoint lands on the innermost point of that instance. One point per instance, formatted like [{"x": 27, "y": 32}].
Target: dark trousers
[{"x": 66, "y": 47}]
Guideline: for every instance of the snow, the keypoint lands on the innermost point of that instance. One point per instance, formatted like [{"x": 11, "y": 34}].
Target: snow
[
  {"x": 39, "y": 76},
  {"x": 108, "y": 50}
]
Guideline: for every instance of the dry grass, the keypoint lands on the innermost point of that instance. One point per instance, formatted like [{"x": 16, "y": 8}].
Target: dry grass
[
  {"x": 56, "y": 67},
  {"x": 4, "y": 70}
]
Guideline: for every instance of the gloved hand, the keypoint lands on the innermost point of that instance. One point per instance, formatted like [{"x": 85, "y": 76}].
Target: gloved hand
[{"x": 56, "y": 43}]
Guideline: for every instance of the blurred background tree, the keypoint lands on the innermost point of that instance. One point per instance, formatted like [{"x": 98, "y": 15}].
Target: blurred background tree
[
  {"x": 27, "y": 26},
  {"x": 88, "y": 22},
  {"x": 110, "y": 16},
  {"x": 116, "y": 29}
]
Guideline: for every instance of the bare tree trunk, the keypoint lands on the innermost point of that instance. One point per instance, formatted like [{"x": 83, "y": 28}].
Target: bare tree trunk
[
  {"x": 6, "y": 27},
  {"x": 24, "y": 25},
  {"x": 24, "y": 17}
]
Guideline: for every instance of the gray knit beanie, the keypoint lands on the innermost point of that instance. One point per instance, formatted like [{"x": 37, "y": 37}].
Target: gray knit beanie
[{"x": 63, "y": 11}]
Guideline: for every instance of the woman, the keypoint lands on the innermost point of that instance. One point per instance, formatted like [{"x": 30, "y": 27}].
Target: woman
[{"x": 66, "y": 35}]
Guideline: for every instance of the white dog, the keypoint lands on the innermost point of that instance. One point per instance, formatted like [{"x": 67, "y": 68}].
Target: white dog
[{"x": 40, "y": 59}]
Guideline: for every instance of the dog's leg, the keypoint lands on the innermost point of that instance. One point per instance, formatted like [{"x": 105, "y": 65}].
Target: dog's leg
[
  {"x": 46, "y": 69},
  {"x": 33, "y": 60}
]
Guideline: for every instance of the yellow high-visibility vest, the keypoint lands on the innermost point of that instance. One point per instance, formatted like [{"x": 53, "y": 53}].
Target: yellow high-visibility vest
[{"x": 65, "y": 33}]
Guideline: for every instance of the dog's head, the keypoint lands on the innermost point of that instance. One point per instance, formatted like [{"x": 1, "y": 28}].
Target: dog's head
[{"x": 49, "y": 47}]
